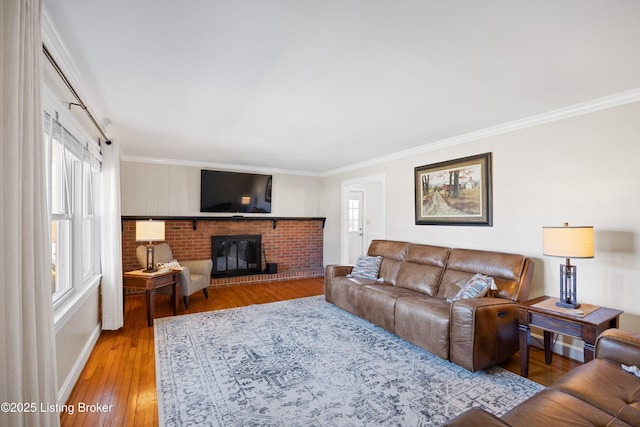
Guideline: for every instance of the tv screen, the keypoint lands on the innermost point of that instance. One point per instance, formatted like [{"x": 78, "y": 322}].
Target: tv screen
[{"x": 234, "y": 192}]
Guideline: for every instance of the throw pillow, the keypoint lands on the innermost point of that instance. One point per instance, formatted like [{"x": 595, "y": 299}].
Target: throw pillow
[
  {"x": 367, "y": 267},
  {"x": 476, "y": 287},
  {"x": 170, "y": 264}
]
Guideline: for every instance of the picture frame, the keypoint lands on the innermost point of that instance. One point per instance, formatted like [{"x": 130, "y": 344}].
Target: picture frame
[{"x": 455, "y": 192}]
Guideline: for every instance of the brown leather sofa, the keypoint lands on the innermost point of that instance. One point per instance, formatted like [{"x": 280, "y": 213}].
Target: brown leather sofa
[
  {"x": 412, "y": 301},
  {"x": 598, "y": 393}
]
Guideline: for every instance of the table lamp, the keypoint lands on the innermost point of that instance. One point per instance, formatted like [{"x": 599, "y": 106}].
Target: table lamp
[
  {"x": 568, "y": 242},
  {"x": 150, "y": 231}
]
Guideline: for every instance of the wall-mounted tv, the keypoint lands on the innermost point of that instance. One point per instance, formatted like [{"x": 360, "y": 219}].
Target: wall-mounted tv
[{"x": 234, "y": 192}]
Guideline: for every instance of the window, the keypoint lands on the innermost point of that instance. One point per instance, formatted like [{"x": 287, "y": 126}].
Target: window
[
  {"x": 61, "y": 215},
  {"x": 354, "y": 215},
  {"x": 73, "y": 173}
]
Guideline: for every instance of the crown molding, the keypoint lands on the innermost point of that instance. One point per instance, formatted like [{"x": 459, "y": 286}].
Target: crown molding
[
  {"x": 598, "y": 104},
  {"x": 216, "y": 166},
  {"x": 603, "y": 103}
]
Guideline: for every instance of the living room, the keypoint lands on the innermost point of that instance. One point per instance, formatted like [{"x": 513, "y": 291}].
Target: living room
[{"x": 570, "y": 160}]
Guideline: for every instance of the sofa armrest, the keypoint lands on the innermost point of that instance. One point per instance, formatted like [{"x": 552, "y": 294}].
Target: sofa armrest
[
  {"x": 476, "y": 417},
  {"x": 331, "y": 271},
  {"x": 483, "y": 332},
  {"x": 619, "y": 346},
  {"x": 202, "y": 267}
]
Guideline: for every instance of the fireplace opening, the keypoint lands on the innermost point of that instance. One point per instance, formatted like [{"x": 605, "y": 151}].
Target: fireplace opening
[{"x": 236, "y": 255}]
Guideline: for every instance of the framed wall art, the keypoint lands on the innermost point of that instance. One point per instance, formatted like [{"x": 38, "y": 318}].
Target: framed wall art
[{"x": 455, "y": 192}]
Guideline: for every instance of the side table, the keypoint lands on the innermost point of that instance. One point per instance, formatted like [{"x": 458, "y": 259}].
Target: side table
[
  {"x": 542, "y": 313},
  {"x": 149, "y": 282}
]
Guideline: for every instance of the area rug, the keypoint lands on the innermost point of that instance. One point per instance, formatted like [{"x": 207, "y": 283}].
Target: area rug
[{"x": 305, "y": 362}]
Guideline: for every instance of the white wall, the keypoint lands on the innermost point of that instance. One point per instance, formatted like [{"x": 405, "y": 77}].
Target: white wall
[
  {"x": 582, "y": 170},
  {"x": 76, "y": 336},
  {"x": 161, "y": 189}
]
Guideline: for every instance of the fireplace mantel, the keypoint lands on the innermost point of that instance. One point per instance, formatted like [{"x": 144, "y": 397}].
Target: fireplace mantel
[{"x": 274, "y": 220}]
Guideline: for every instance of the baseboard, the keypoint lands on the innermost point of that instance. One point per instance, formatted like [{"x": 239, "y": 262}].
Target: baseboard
[
  {"x": 74, "y": 374},
  {"x": 573, "y": 350}
]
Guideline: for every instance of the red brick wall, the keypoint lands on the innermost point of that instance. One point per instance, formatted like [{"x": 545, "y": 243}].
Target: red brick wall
[{"x": 293, "y": 245}]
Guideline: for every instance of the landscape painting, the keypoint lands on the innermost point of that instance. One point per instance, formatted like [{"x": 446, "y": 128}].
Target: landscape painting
[{"x": 455, "y": 192}]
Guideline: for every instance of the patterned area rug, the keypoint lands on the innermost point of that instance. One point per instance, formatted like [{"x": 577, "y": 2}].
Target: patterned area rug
[{"x": 305, "y": 362}]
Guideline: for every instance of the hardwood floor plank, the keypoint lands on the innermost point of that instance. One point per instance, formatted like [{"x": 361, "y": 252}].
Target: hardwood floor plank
[{"x": 121, "y": 369}]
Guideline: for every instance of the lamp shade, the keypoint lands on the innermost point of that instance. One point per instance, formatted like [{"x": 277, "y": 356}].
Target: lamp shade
[
  {"x": 568, "y": 242},
  {"x": 150, "y": 231}
]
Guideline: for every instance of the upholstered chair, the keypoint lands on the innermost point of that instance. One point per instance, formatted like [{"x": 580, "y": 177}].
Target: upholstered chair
[{"x": 195, "y": 276}]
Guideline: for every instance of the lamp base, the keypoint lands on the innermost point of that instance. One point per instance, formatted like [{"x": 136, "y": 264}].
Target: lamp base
[
  {"x": 568, "y": 285},
  {"x": 151, "y": 266},
  {"x": 567, "y": 304}
]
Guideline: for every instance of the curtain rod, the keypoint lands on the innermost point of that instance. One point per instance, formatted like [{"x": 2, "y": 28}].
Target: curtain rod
[{"x": 73, "y": 91}]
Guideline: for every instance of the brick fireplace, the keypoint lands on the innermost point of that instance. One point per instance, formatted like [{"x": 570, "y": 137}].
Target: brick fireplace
[{"x": 295, "y": 244}]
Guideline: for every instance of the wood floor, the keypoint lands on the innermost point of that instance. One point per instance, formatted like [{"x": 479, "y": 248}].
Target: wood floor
[{"x": 120, "y": 373}]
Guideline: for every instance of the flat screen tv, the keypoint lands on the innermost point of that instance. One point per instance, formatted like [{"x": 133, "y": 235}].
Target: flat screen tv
[{"x": 234, "y": 192}]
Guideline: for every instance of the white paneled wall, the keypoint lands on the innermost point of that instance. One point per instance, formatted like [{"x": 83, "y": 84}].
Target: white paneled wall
[{"x": 174, "y": 190}]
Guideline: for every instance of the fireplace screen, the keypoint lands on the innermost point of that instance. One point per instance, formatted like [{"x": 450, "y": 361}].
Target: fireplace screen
[{"x": 236, "y": 255}]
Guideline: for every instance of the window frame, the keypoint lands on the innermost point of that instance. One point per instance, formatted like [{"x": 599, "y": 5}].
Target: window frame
[{"x": 77, "y": 207}]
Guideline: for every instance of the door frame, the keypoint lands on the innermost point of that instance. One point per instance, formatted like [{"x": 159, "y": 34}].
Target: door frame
[{"x": 358, "y": 184}]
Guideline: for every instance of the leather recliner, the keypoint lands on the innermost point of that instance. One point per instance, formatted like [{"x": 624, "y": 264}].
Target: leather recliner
[{"x": 598, "y": 393}]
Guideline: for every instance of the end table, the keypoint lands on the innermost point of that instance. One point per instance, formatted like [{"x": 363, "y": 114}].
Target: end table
[
  {"x": 149, "y": 282},
  {"x": 541, "y": 312}
]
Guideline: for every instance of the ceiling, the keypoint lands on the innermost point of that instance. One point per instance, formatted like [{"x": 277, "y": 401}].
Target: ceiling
[{"x": 316, "y": 86}]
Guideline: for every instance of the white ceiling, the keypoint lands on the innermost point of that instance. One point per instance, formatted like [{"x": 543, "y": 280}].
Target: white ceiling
[{"x": 315, "y": 86}]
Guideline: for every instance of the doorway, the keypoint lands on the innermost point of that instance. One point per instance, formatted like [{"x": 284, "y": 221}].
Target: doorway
[{"x": 363, "y": 215}]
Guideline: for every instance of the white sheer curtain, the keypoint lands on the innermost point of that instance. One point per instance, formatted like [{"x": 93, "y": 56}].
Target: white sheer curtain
[
  {"x": 27, "y": 337},
  {"x": 111, "y": 238}
]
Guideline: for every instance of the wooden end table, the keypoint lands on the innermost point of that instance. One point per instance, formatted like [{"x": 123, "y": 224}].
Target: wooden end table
[
  {"x": 149, "y": 282},
  {"x": 550, "y": 320}
]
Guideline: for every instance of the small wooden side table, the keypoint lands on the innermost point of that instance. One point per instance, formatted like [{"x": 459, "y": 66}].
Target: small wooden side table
[
  {"x": 137, "y": 279},
  {"x": 550, "y": 320}
]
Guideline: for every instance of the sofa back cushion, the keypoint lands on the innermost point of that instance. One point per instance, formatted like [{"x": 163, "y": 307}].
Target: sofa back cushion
[
  {"x": 509, "y": 271},
  {"x": 423, "y": 268},
  {"x": 393, "y": 255}
]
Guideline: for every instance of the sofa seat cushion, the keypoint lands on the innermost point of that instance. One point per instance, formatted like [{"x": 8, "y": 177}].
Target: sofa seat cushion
[
  {"x": 425, "y": 323},
  {"x": 555, "y": 408},
  {"x": 342, "y": 291},
  {"x": 604, "y": 384},
  {"x": 376, "y": 303}
]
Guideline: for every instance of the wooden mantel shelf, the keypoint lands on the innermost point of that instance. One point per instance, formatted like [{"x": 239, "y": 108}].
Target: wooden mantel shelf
[{"x": 274, "y": 220}]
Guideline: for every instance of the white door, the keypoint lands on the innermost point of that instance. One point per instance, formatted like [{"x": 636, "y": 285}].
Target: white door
[{"x": 354, "y": 224}]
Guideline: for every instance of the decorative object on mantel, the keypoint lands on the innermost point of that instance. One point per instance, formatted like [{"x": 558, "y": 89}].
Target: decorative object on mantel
[
  {"x": 150, "y": 231},
  {"x": 455, "y": 192},
  {"x": 568, "y": 242}
]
